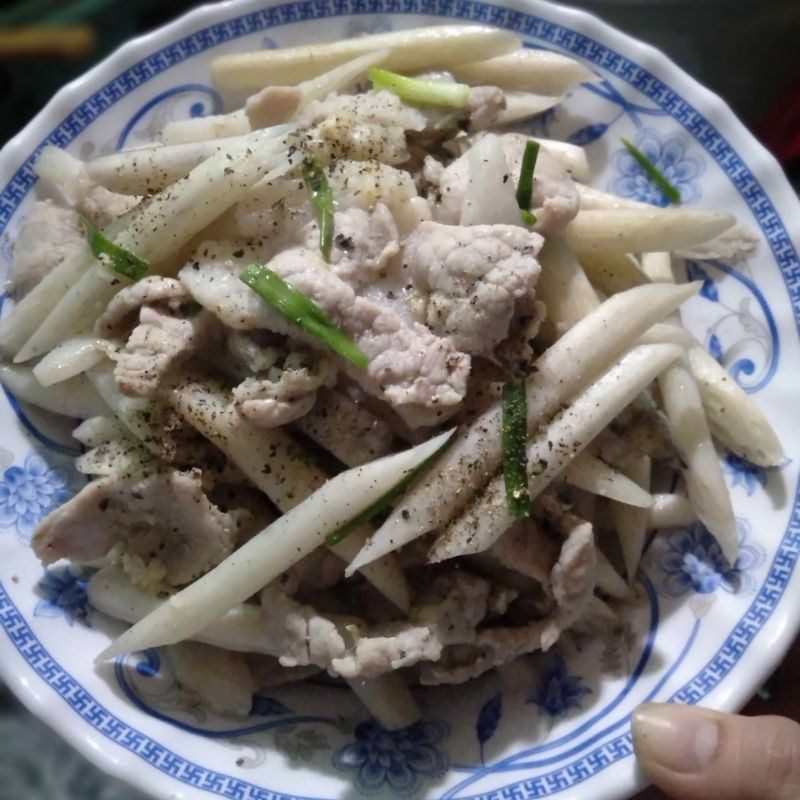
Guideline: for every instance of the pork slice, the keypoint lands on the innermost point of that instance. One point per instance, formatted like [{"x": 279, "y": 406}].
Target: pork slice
[
  {"x": 221, "y": 680},
  {"x": 162, "y": 522},
  {"x": 484, "y": 106},
  {"x": 148, "y": 291},
  {"x": 284, "y": 393},
  {"x": 524, "y": 548},
  {"x": 363, "y": 244},
  {"x": 421, "y": 375},
  {"x": 572, "y": 581},
  {"x": 102, "y": 206},
  {"x": 48, "y": 235},
  {"x": 555, "y": 199},
  {"x": 156, "y": 345},
  {"x": 472, "y": 277}
]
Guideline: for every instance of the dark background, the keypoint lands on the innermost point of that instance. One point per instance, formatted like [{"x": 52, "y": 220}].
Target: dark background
[{"x": 744, "y": 51}]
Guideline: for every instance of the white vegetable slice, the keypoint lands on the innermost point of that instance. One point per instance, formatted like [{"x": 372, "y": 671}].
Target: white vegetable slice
[
  {"x": 589, "y": 473},
  {"x": 613, "y": 272},
  {"x": 670, "y": 511},
  {"x": 272, "y": 551},
  {"x": 540, "y": 71},
  {"x": 564, "y": 289},
  {"x": 560, "y": 372},
  {"x": 490, "y": 196},
  {"x": 570, "y": 156},
  {"x": 658, "y": 267},
  {"x": 388, "y": 699},
  {"x": 274, "y": 463},
  {"x": 553, "y": 447},
  {"x": 732, "y": 415},
  {"x": 643, "y": 230},
  {"x": 523, "y": 105},
  {"x": 71, "y": 358},
  {"x": 74, "y": 398},
  {"x": 702, "y": 471},
  {"x": 415, "y": 50},
  {"x": 630, "y": 523}
]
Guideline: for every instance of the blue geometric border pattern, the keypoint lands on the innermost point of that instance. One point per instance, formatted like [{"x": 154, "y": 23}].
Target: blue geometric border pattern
[{"x": 546, "y": 32}]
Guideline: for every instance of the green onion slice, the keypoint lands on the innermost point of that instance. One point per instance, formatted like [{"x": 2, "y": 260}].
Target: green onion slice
[
  {"x": 416, "y": 90},
  {"x": 515, "y": 437},
  {"x": 322, "y": 199},
  {"x": 652, "y": 172},
  {"x": 302, "y": 311},
  {"x": 383, "y": 502},
  {"x": 525, "y": 184},
  {"x": 122, "y": 260}
]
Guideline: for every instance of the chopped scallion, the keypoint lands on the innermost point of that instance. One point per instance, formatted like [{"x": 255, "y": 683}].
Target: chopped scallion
[
  {"x": 383, "y": 502},
  {"x": 525, "y": 184},
  {"x": 652, "y": 172},
  {"x": 515, "y": 437},
  {"x": 322, "y": 199},
  {"x": 302, "y": 311},
  {"x": 121, "y": 260},
  {"x": 416, "y": 90}
]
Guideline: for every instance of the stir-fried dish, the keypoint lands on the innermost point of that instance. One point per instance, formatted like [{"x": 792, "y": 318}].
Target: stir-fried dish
[{"x": 366, "y": 376}]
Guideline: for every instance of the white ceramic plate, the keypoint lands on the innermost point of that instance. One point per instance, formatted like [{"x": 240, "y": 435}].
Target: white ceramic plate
[{"x": 700, "y": 631}]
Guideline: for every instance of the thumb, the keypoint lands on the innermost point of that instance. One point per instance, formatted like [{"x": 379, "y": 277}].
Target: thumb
[{"x": 695, "y": 754}]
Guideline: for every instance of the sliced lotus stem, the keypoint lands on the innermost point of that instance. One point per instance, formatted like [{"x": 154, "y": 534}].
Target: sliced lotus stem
[
  {"x": 670, "y": 511},
  {"x": 240, "y": 629},
  {"x": 341, "y": 77},
  {"x": 570, "y": 156},
  {"x": 346, "y": 429},
  {"x": 75, "y": 398},
  {"x": 613, "y": 272},
  {"x": 593, "y": 199},
  {"x": 388, "y": 699},
  {"x": 732, "y": 415},
  {"x": 733, "y": 245},
  {"x": 563, "y": 288},
  {"x": 526, "y": 70},
  {"x": 643, "y": 230},
  {"x": 560, "y": 372},
  {"x": 553, "y": 447},
  {"x": 274, "y": 463},
  {"x": 72, "y": 358},
  {"x": 200, "y": 130},
  {"x": 524, "y": 105},
  {"x": 589, "y": 473},
  {"x": 702, "y": 472},
  {"x": 415, "y": 50},
  {"x": 670, "y": 333},
  {"x": 271, "y": 552},
  {"x": 630, "y": 522},
  {"x": 165, "y": 225},
  {"x": 658, "y": 267}
]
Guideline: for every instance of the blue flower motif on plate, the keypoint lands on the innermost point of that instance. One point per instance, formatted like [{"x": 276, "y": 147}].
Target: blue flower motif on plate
[
  {"x": 30, "y": 492},
  {"x": 394, "y": 760},
  {"x": 742, "y": 473},
  {"x": 64, "y": 594},
  {"x": 668, "y": 154},
  {"x": 557, "y": 692},
  {"x": 691, "y": 560}
]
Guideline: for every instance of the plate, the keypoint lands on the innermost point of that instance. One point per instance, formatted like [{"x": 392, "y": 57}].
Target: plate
[{"x": 698, "y": 631}]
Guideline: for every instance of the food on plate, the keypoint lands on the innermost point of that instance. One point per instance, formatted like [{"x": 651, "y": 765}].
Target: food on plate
[{"x": 362, "y": 370}]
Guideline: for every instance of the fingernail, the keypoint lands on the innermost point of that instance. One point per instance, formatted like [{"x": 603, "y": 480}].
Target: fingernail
[{"x": 674, "y": 737}]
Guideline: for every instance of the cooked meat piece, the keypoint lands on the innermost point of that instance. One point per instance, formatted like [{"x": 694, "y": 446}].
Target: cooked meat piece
[
  {"x": 222, "y": 680},
  {"x": 156, "y": 345},
  {"x": 102, "y": 206},
  {"x": 149, "y": 290},
  {"x": 484, "y": 106},
  {"x": 423, "y": 376},
  {"x": 285, "y": 393},
  {"x": 363, "y": 244},
  {"x": 164, "y": 520},
  {"x": 526, "y": 549},
  {"x": 363, "y": 126},
  {"x": 555, "y": 199},
  {"x": 272, "y": 106},
  {"x": 48, "y": 235},
  {"x": 572, "y": 582},
  {"x": 472, "y": 278}
]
